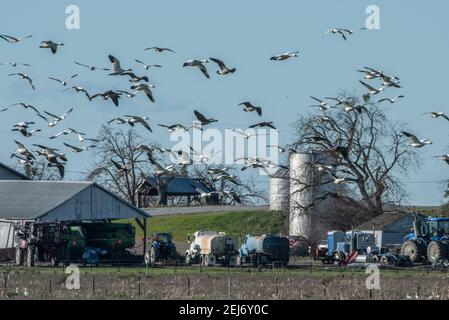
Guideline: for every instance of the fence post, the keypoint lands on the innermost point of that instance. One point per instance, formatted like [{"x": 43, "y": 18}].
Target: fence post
[
  {"x": 417, "y": 289},
  {"x": 6, "y": 283},
  {"x": 188, "y": 286},
  {"x": 277, "y": 287},
  {"x": 229, "y": 287},
  {"x": 49, "y": 287},
  {"x": 138, "y": 283},
  {"x": 93, "y": 285}
]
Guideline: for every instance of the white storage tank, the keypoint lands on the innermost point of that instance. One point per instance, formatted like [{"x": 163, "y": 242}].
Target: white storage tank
[
  {"x": 305, "y": 188},
  {"x": 280, "y": 190}
]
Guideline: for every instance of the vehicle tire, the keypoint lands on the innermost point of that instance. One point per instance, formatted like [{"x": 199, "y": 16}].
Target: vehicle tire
[
  {"x": 30, "y": 256},
  {"x": 147, "y": 258},
  {"x": 436, "y": 251},
  {"x": 54, "y": 261},
  {"x": 338, "y": 258},
  {"x": 19, "y": 256},
  {"x": 188, "y": 261},
  {"x": 415, "y": 250},
  {"x": 384, "y": 261}
]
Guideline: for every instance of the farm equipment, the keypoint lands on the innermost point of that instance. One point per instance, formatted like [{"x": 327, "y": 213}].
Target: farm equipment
[
  {"x": 162, "y": 249},
  {"x": 49, "y": 242},
  {"x": 211, "y": 248},
  {"x": 352, "y": 247},
  {"x": 429, "y": 241},
  {"x": 71, "y": 242},
  {"x": 260, "y": 250}
]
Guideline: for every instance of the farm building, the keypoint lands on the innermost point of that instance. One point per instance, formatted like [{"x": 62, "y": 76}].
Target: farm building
[
  {"x": 390, "y": 228},
  {"x": 8, "y": 173},
  {"x": 184, "y": 189},
  {"x": 51, "y": 201}
]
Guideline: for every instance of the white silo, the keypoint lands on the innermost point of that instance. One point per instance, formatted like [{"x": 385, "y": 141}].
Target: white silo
[
  {"x": 280, "y": 190},
  {"x": 305, "y": 188}
]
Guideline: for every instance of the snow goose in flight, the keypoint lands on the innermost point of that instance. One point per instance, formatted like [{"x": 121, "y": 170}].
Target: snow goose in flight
[
  {"x": 21, "y": 150},
  {"x": 283, "y": 149},
  {"x": 435, "y": 115},
  {"x": 202, "y": 118},
  {"x": 174, "y": 127},
  {"x": 79, "y": 89},
  {"x": 53, "y": 46},
  {"x": 127, "y": 93},
  {"x": 323, "y": 105},
  {"x": 27, "y": 163},
  {"x": 415, "y": 142},
  {"x": 285, "y": 56},
  {"x": 110, "y": 94},
  {"x": 159, "y": 49},
  {"x": 132, "y": 120},
  {"x": 444, "y": 157},
  {"x": 203, "y": 158},
  {"x": 23, "y": 127},
  {"x": 24, "y": 76},
  {"x": 227, "y": 177},
  {"x": 145, "y": 88},
  {"x": 12, "y": 39},
  {"x": 79, "y": 149},
  {"x": 54, "y": 163},
  {"x": 50, "y": 153},
  {"x": 15, "y": 64},
  {"x": 135, "y": 78},
  {"x": 25, "y": 106},
  {"x": 263, "y": 125},
  {"x": 91, "y": 68},
  {"x": 81, "y": 136},
  {"x": 249, "y": 107},
  {"x": 336, "y": 31},
  {"x": 223, "y": 68},
  {"x": 200, "y": 64},
  {"x": 371, "y": 90},
  {"x": 148, "y": 66},
  {"x": 55, "y": 119},
  {"x": 391, "y": 100},
  {"x": 247, "y": 136},
  {"x": 64, "y": 82},
  {"x": 116, "y": 68}
]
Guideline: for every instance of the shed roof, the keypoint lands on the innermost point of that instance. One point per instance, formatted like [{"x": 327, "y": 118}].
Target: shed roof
[
  {"x": 63, "y": 201},
  {"x": 178, "y": 186},
  {"x": 384, "y": 220},
  {"x": 20, "y": 175}
]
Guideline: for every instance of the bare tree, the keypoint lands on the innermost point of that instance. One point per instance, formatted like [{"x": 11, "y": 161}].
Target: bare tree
[
  {"x": 38, "y": 170},
  {"x": 367, "y": 149},
  {"x": 119, "y": 165},
  {"x": 229, "y": 193}
]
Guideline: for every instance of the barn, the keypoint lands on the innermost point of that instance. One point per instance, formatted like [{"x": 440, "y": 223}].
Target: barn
[
  {"x": 51, "y": 201},
  {"x": 390, "y": 228}
]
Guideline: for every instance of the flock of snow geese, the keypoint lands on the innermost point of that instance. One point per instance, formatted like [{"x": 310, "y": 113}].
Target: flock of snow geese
[{"x": 140, "y": 85}]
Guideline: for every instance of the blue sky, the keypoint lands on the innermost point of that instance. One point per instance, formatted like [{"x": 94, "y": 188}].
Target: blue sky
[{"x": 412, "y": 43}]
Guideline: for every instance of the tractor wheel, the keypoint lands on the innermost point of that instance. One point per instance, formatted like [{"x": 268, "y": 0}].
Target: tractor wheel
[
  {"x": 384, "y": 261},
  {"x": 30, "y": 256},
  {"x": 19, "y": 256},
  {"x": 414, "y": 250},
  {"x": 238, "y": 261},
  {"x": 436, "y": 251}
]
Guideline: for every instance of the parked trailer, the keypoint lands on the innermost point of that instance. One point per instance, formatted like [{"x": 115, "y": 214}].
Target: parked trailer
[
  {"x": 210, "y": 248},
  {"x": 261, "y": 250}
]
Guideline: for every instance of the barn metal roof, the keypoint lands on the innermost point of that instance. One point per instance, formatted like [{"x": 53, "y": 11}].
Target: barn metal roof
[
  {"x": 384, "y": 220},
  {"x": 179, "y": 186},
  {"x": 63, "y": 201}
]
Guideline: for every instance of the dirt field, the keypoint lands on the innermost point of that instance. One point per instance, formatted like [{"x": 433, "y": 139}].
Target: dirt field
[{"x": 219, "y": 283}]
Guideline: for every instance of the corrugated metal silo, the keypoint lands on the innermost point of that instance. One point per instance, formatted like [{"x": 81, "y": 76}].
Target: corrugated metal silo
[
  {"x": 304, "y": 189},
  {"x": 280, "y": 190}
]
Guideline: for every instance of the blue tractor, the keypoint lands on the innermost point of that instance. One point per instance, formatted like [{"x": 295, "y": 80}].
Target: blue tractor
[
  {"x": 429, "y": 240},
  {"x": 162, "y": 249}
]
